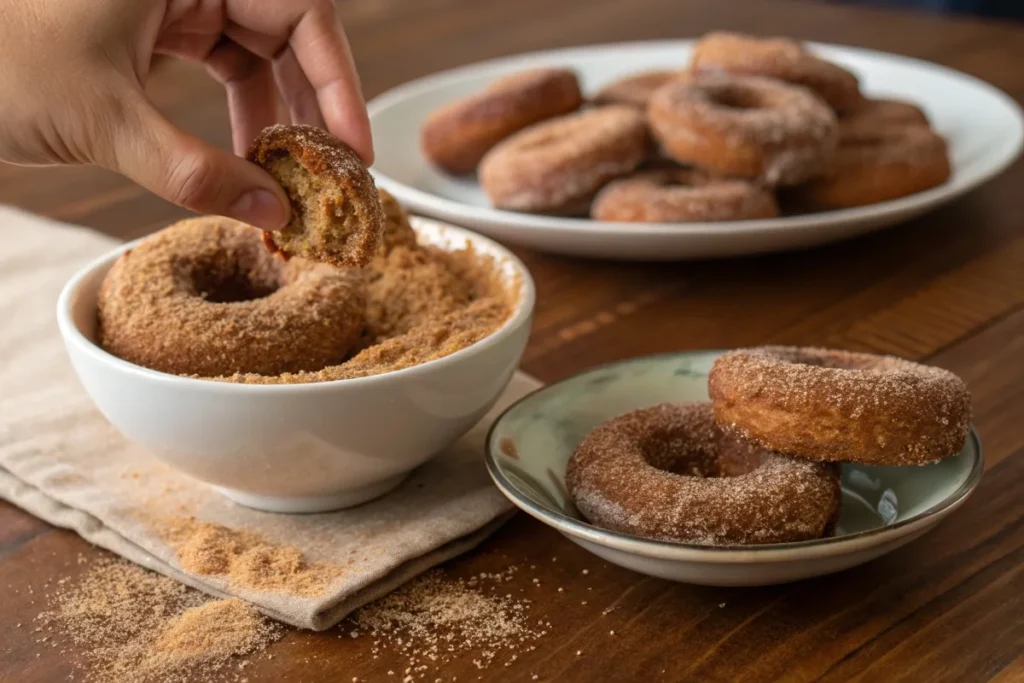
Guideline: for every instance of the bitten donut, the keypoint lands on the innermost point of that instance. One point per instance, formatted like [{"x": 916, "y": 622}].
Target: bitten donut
[
  {"x": 882, "y": 112},
  {"x": 679, "y": 196},
  {"x": 204, "y": 298},
  {"x": 668, "y": 472},
  {"x": 875, "y": 164},
  {"x": 755, "y": 128},
  {"x": 831, "y": 405},
  {"x": 336, "y": 213},
  {"x": 556, "y": 166},
  {"x": 636, "y": 90},
  {"x": 457, "y": 136},
  {"x": 780, "y": 58}
]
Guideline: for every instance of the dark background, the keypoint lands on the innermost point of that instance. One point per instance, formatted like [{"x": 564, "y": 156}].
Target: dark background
[{"x": 999, "y": 9}]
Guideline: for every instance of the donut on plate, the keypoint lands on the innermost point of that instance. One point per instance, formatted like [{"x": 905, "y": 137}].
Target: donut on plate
[
  {"x": 831, "y": 405},
  {"x": 205, "y": 298},
  {"x": 780, "y": 58},
  {"x": 556, "y": 166},
  {"x": 669, "y": 472},
  {"x": 875, "y": 164},
  {"x": 336, "y": 213},
  {"x": 681, "y": 195},
  {"x": 884, "y": 112},
  {"x": 636, "y": 90},
  {"x": 458, "y": 135},
  {"x": 744, "y": 126}
]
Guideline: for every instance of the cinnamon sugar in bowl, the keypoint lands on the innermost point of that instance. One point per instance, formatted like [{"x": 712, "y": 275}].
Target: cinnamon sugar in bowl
[{"x": 306, "y": 444}]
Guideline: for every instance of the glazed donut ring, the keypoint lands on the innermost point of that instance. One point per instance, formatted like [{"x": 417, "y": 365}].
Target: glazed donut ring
[
  {"x": 336, "y": 213},
  {"x": 668, "y": 472},
  {"x": 679, "y": 196},
  {"x": 636, "y": 90},
  {"x": 877, "y": 113},
  {"x": 780, "y": 58},
  {"x": 748, "y": 127},
  {"x": 841, "y": 406},
  {"x": 556, "y": 166},
  {"x": 204, "y": 298},
  {"x": 876, "y": 164},
  {"x": 457, "y": 136}
]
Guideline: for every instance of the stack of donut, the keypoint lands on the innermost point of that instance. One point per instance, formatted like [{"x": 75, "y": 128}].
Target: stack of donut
[
  {"x": 746, "y": 119},
  {"x": 760, "y": 462}
]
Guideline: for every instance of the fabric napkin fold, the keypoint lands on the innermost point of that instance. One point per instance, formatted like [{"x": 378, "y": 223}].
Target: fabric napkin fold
[{"x": 63, "y": 462}]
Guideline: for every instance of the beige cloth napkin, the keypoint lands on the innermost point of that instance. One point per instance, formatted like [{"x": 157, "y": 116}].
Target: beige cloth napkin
[{"x": 61, "y": 461}]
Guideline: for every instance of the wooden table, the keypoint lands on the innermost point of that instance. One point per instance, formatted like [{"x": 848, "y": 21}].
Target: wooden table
[{"x": 948, "y": 287}]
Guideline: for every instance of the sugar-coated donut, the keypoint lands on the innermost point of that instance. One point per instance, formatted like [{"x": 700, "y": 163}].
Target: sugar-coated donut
[
  {"x": 875, "y": 164},
  {"x": 744, "y": 126},
  {"x": 681, "y": 195},
  {"x": 668, "y": 472},
  {"x": 556, "y": 166},
  {"x": 636, "y": 90},
  {"x": 884, "y": 112},
  {"x": 204, "y": 298},
  {"x": 780, "y": 58},
  {"x": 457, "y": 136},
  {"x": 336, "y": 213},
  {"x": 398, "y": 231},
  {"x": 831, "y": 405}
]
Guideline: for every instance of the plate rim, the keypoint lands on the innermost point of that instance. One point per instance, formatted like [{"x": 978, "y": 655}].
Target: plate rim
[
  {"x": 455, "y": 210},
  {"x": 672, "y": 550}
]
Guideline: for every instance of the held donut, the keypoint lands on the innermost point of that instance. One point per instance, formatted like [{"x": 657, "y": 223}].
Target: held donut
[
  {"x": 398, "y": 231},
  {"x": 204, "y": 298},
  {"x": 336, "y": 212},
  {"x": 748, "y": 127},
  {"x": 668, "y": 472},
  {"x": 780, "y": 58},
  {"x": 876, "y": 164},
  {"x": 679, "y": 196},
  {"x": 841, "y": 406},
  {"x": 636, "y": 90},
  {"x": 556, "y": 166},
  {"x": 457, "y": 136},
  {"x": 883, "y": 112}
]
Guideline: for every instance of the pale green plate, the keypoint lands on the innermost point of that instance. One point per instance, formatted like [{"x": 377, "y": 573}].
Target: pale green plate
[{"x": 883, "y": 507}]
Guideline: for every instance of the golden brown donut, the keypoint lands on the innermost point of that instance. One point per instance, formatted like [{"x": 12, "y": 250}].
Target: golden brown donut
[
  {"x": 668, "y": 472},
  {"x": 636, "y": 90},
  {"x": 780, "y": 58},
  {"x": 876, "y": 164},
  {"x": 744, "y": 126},
  {"x": 556, "y": 166},
  {"x": 457, "y": 136},
  {"x": 680, "y": 196},
  {"x": 832, "y": 405},
  {"x": 397, "y": 229},
  {"x": 884, "y": 112},
  {"x": 336, "y": 212},
  {"x": 204, "y": 298}
]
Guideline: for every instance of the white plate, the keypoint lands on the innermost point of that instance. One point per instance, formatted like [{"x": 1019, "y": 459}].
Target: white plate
[
  {"x": 883, "y": 508},
  {"x": 984, "y": 126}
]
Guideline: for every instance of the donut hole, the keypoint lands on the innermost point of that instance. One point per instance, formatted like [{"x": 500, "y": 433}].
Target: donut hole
[
  {"x": 228, "y": 288},
  {"x": 736, "y": 98},
  {"x": 718, "y": 457},
  {"x": 241, "y": 272}
]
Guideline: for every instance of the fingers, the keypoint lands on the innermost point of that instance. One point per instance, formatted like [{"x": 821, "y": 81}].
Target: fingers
[
  {"x": 187, "y": 171},
  {"x": 296, "y": 90},
  {"x": 252, "y": 96},
  {"x": 314, "y": 34}
]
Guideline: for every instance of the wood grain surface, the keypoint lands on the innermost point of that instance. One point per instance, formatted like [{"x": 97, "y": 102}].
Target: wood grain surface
[{"x": 947, "y": 287}]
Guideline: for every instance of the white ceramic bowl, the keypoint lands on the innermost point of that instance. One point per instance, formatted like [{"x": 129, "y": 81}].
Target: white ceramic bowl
[
  {"x": 883, "y": 508},
  {"x": 300, "y": 447}
]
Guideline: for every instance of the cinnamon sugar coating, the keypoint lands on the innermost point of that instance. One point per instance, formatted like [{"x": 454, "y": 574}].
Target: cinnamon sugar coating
[
  {"x": 556, "y": 166},
  {"x": 769, "y": 132},
  {"x": 680, "y": 195},
  {"x": 884, "y": 112},
  {"x": 669, "y": 472},
  {"x": 635, "y": 90},
  {"x": 457, "y": 136},
  {"x": 204, "y": 297},
  {"x": 832, "y": 405},
  {"x": 781, "y": 58},
  {"x": 336, "y": 213}
]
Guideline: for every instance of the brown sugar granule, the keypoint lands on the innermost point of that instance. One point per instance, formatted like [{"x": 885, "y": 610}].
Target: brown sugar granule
[
  {"x": 248, "y": 560},
  {"x": 136, "y": 626}
]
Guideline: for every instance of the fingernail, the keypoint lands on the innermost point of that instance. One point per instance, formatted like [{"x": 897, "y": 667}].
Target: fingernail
[{"x": 261, "y": 208}]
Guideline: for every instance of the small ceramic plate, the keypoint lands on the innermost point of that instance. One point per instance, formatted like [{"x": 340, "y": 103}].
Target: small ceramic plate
[
  {"x": 883, "y": 508},
  {"x": 984, "y": 127}
]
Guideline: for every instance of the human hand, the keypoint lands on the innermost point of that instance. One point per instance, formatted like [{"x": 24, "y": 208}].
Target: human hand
[{"x": 72, "y": 74}]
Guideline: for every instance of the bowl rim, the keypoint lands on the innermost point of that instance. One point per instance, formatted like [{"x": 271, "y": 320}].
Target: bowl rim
[
  {"x": 522, "y": 315},
  {"x": 673, "y": 550}
]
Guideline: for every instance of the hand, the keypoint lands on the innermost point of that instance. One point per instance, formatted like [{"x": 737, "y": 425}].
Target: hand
[{"x": 72, "y": 74}]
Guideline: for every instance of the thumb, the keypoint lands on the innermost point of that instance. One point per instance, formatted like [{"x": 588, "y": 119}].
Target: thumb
[{"x": 189, "y": 172}]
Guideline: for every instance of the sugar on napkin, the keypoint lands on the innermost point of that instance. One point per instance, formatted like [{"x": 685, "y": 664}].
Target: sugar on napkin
[{"x": 63, "y": 462}]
